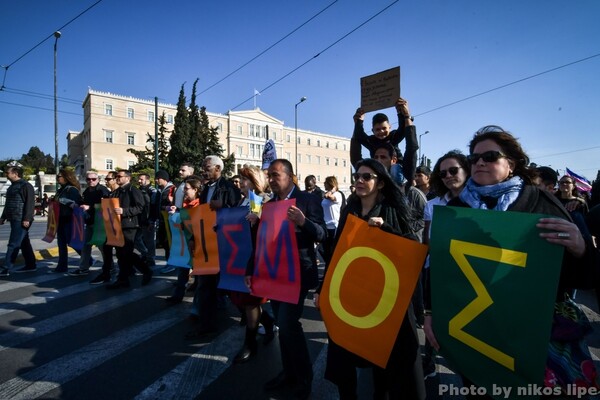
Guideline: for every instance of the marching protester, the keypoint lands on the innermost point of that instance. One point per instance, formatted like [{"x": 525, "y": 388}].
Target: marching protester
[
  {"x": 68, "y": 197},
  {"x": 252, "y": 179},
  {"x": 166, "y": 197},
  {"x": 146, "y": 239},
  {"x": 380, "y": 202},
  {"x": 131, "y": 205},
  {"x": 501, "y": 180},
  {"x": 218, "y": 193},
  {"x": 307, "y": 216},
  {"x": 18, "y": 211},
  {"x": 192, "y": 187},
  {"x": 107, "y": 250},
  {"x": 91, "y": 196}
]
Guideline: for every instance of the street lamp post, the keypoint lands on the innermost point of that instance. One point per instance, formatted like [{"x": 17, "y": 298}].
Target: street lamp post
[
  {"x": 296, "y": 129},
  {"x": 422, "y": 134},
  {"x": 56, "y": 36}
]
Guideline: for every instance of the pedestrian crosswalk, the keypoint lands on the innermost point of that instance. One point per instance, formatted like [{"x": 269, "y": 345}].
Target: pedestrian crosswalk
[{"x": 61, "y": 337}]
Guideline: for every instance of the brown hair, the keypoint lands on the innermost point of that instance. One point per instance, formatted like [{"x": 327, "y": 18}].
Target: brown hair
[
  {"x": 510, "y": 147},
  {"x": 70, "y": 177}
]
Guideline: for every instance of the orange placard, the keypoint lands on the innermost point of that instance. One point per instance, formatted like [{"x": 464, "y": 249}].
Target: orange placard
[
  {"x": 206, "y": 250},
  {"x": 368, "y": 288},
  {"x": 112, "y": 222}
]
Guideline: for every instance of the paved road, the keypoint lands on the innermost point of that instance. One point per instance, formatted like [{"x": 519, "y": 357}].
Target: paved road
[{"x": 61, "y": 338}]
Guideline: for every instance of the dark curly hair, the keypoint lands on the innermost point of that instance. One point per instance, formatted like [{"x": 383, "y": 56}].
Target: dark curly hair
[
  {"x": 436, "y": 182},
  {"x": 510, "y": 146}
]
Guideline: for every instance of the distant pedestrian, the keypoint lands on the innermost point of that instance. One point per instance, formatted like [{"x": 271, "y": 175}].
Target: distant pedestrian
[{"x": 18, "y": 210}]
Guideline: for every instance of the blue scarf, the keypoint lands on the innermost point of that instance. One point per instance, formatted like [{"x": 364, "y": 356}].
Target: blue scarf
[{"x": 505, "y": 192}]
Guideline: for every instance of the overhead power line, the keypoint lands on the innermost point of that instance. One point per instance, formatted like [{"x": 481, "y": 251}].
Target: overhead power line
[
  {"x": 318, "y": 54},
  {"x": 267, "y": 49},
  {"x": 508, "y": 84},
  {"x": 6, "y": 67}
]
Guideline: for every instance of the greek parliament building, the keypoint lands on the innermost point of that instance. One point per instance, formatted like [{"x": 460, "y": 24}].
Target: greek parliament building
[{"x": 115, "y": 123}]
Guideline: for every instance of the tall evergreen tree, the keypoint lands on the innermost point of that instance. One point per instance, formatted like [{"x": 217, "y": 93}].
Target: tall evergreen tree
[
  {"x": 37, "y": 160},
  {"x": 180, "y": 136}
]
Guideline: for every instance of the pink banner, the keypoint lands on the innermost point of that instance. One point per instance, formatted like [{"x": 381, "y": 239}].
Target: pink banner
[{"x": 277, "y": 263}]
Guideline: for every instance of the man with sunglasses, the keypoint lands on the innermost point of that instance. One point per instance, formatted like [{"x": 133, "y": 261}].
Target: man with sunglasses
[
  {"x": 92, "y": 195},
  {"x": 131, "y": 205}
]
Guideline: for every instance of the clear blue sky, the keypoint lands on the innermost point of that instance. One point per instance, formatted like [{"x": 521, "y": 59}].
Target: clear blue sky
[{"x": 447, "y": 51}]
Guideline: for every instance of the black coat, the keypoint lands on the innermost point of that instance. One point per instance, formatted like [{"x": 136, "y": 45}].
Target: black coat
[{"x": 131, "y": 200}]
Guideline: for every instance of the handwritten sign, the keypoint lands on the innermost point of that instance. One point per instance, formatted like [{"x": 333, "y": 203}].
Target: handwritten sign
[{"x": 380, "y": 90}]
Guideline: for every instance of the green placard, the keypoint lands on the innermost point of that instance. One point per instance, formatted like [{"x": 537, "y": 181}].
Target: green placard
[{"x": 493, "y": 286}]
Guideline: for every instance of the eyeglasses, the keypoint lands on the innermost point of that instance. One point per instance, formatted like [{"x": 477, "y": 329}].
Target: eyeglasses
[
  {"x": 365, "y": 176},
  {"x": 565, "y": 182},
  {"x": 486, "y": 156},
  {"x": 91, "y": 179},
  {"x": 450, "y": 171}
]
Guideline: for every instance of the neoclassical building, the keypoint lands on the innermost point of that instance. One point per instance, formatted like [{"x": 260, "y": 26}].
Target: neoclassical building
[{"x": 114, "y": 123}]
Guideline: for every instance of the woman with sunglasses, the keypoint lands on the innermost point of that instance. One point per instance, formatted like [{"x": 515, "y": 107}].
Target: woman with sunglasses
[
  {"x": 68, "y": 197},
  {"x": 380, "y": 202},
  {"x": 448, "y": 179},
  {"x": 501, "y": 180}
]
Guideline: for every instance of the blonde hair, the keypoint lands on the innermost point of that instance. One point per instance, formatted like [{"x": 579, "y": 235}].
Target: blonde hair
[{"x": 257, "y": 177}]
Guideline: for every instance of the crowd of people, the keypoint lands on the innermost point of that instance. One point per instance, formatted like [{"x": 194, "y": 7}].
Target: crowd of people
[{"x": 389, "y": 192}]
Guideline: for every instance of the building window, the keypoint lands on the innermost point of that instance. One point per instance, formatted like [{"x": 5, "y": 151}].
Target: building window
[
  {"x": 327, "y": 161},
  {"x": 274, "y": 135},
  {"x": 108, "y": 109},
  {"x": 288, "y": 156},
  {"x": 336, "y": 145},
  {"x": 108, "y": 136},
  {"x": 240, "y": 150},
  {"x": 130, "y": 113},
  {"x": 299, "y": 158},
  {"x": 308, "y": 158},
  {"x": 318, "y": 178},
  {"x": 239, "y": 129},
  {"x": 327, "y": 144},
  {"x": 318, "y": 143},
  {"x": 344, "y": 163},
  {"x": 288, "y": 139},
  {"x": 252, "y": 150},
  {"x": 318, "y": 160},
  {"x": 130, "y": 164},
  {"x": 170, "y": 118},
  {"x": 335, "y": 162},
  {"x": 344, "y": 179},
  {"x": 308, "y": 141},
  {"x": 151, "y": 116},
  {"x": 219, "y": 127},
  {"x": 109, "y": 164},
  {"x": 130, "y": 138},
  {"x": 344, "y": 146},
  {"x": 299, "y": 140}
]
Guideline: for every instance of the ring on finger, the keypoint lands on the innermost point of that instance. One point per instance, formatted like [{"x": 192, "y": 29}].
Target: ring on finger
[{"x": 563, "y": 235}]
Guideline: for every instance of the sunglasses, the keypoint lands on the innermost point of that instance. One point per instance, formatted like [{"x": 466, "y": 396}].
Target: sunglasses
[
  {"x": 486, "y": 156},
  {"x": 91, "y": 179},
  {"x": 108, "y": 179},
  {"x": 365, "y": 176},
  {"x": 450, "y": 171},
  {"x": 120, "y": 176}
]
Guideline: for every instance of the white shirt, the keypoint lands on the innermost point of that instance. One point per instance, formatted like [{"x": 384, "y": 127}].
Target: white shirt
[{"x": 331, "y": 210}]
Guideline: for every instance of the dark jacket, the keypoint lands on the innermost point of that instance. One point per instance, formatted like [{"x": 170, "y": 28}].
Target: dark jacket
[
  {"x": 91, "y": 197},
  {"x": 68, "y": 197},
  {"x": 575, "y": 272},
  {"x": 131, "y": 200},
  {"x": 20, "y": 202},
  {"x": 408, "y": 132},
  {"x": 314, "y": 230},
  {"x": 228, "y": 194},
  {"x": 403, "y": 359}
]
